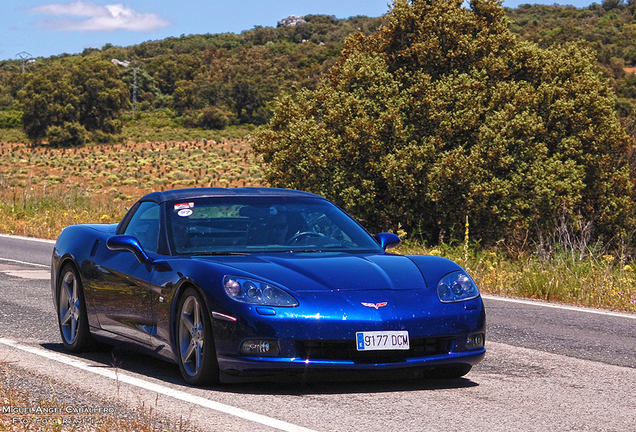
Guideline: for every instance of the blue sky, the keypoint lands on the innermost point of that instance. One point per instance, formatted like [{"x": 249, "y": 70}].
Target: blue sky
[{"x": 51, "y": 27}]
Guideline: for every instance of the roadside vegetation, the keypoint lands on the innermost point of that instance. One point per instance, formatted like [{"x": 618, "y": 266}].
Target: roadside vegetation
[
  {"x": 589, "y": 277},
  {"x": 48, "y": 409}
]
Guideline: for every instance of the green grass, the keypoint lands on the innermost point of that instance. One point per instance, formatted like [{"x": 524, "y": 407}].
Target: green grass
[
  {"x": 45, "y": 216},
  {"x": 13, "y": 135},
  {"x": 161, "y": 125}
]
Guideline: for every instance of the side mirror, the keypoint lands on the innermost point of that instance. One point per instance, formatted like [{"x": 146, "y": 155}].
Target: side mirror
[
  {"x": 130, "y": 244},
  {"x": 387, "y": 240}
]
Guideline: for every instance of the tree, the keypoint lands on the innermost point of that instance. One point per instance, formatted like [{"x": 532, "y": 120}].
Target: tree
[
  {"x": 48, "y": 99},
  {"x": 102, "y": 95},
  {"x": 612, "y": 4},
  {"x": 171, "y": 69},
  {"x": 443, "y": 114},
  {"x": 64, "y": 102}
]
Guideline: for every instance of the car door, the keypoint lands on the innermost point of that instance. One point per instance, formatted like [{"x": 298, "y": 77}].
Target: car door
[{"x": 122, "y": 298}]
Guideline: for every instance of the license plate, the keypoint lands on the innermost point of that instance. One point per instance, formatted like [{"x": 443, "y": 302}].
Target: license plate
[{"x": 382, "y": 340}]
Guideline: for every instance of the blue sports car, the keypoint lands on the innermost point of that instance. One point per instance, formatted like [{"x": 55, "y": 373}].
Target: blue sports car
[{"x": 256, "y": 281}]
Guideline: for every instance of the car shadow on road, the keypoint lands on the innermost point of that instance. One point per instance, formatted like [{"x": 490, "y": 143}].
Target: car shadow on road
[
  {"x": 330, "y": 382},
  {"x": 106, "y": 356},
  {"x": 317, "y": 382}
]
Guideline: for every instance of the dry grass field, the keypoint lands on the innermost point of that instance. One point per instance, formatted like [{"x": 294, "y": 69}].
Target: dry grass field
[{"x": 44, "y": 189}]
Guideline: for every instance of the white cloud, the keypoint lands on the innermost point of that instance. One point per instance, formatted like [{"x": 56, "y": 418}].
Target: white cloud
[{"x": 87, "y": 16}]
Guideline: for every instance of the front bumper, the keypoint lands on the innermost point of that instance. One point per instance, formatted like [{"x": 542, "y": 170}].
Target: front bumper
[{"x": 391, "y": 360}]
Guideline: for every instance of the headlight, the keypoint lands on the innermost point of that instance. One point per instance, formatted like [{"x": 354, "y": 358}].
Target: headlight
[
  {"x": 256, "y": 292},
  {"x": 456, "y": 286}
]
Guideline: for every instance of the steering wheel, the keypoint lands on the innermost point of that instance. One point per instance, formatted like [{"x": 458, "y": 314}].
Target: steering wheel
[{"x": 296, "y": 237}]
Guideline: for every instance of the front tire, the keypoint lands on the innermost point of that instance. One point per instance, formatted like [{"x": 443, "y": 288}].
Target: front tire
[
  {"x": 195, "y": 341},
  {"x": 71, "y": 311}
]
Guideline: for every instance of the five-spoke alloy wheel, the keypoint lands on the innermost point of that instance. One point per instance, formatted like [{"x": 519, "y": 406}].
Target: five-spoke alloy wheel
[
  {"x": 72, "y": 317},
  {"x": 195, "y": 342}
]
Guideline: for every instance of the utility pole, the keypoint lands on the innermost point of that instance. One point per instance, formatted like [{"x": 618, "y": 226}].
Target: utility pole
[
  {"x": 135, "y": 69},
  {"x": 24, "y": 57},
  {"x": 126, "y": 64}
]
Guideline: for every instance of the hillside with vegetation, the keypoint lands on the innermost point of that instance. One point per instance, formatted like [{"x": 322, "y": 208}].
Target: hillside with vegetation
[
  {"x": 206, "y": 82},
  {"x": 215, "y": 81}
]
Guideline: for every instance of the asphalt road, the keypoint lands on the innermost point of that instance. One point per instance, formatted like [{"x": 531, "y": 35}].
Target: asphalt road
[{"x": 547, "y": 368}]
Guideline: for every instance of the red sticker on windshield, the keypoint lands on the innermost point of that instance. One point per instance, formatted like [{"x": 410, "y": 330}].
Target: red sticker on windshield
[{"x": 183, "y": 206}]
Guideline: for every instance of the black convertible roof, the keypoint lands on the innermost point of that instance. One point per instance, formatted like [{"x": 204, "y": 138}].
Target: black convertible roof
[{"x": 178, "y": 194}]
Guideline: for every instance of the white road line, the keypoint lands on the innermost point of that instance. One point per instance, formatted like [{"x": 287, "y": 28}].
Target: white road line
[
  {"x": 25, "y": 262},
  {"x": 29, "y": 274},
  {"x": 177, "y": 394},
  {"x": 558, "y": 306},
  {"x": 28, "y": 238}
]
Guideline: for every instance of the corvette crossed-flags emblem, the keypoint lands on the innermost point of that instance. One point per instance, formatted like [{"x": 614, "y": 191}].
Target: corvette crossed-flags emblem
[{"x": 375, "y": 305}]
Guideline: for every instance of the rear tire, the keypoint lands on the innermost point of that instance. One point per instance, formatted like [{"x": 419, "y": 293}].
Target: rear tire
[
  {"x": 195, "y": 342},
  {"x": 71, "y": 311}
]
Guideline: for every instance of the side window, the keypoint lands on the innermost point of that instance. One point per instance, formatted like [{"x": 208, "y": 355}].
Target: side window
[{"x": 145, "y": 226}]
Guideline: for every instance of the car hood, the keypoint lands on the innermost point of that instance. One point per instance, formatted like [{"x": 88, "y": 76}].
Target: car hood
[{"x": 306, "y": 272}]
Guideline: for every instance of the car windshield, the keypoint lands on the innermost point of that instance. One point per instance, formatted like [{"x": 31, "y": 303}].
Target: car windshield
[{"x": 225, "y": 225}]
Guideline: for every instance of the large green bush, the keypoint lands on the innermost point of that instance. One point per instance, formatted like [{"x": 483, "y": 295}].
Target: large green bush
[{"x": 443, "y": 114}]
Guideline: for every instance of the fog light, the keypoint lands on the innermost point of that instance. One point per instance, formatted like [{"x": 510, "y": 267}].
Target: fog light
[
  {"x": 475, "y": 341},
  {"x": 260, "y": 347}
]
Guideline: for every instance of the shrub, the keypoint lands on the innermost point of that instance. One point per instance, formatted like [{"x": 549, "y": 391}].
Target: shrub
[
  {"x": 67, "y": 135},
  {"x": 10, "y": 119}
]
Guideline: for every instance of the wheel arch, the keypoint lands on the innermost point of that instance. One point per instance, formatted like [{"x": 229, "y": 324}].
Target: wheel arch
[
  {"x": 176, "y": 299},
  {"x": 206, "y": 370},
  {"x": 61, "y": 264}
]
